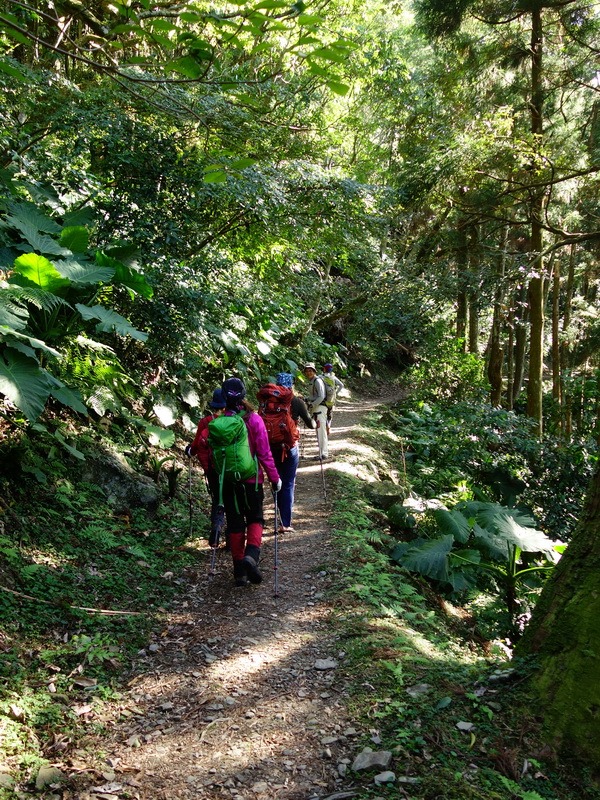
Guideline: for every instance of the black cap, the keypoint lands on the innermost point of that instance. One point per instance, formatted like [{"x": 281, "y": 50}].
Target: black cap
[{"x": 234, "y": 392}]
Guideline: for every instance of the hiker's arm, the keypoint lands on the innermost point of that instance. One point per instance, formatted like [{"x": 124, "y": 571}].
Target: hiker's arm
[
  {"x": 200, "y": 434},
  {"x": 300, "y": 411}
]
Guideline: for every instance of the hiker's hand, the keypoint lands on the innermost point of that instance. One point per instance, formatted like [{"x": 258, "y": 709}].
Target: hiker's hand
[
  {"x": 276, "y": 485},
  {"x": 188, "y": 450}
]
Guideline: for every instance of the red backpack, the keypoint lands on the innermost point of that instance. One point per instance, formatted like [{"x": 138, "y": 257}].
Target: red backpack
[{"x": 274, "y": 407}]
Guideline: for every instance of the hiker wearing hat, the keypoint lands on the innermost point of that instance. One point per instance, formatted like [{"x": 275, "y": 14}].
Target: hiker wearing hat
[
  {"x": 243, "y": 498},
  {"x": 332, "y": 386},
  {"x": 199, "y": 447},
  {"x": 286, "y": 458},
  {"x": 317, "y": 407}
]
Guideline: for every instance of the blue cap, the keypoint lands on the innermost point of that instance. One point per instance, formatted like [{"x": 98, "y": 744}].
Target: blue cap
[
  {"x": 218, "y": 401},
  {"x": 285, "y": 379}
]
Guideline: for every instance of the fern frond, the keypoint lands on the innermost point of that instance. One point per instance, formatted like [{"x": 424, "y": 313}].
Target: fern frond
[
  {"x": 12, "y": 314},
  {"x": 40, "y": 298}
]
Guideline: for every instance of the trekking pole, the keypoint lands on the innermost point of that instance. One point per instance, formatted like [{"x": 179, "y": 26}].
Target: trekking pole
[
  {"x": 321, "y": 460},
  {"x": 218, "y": 523},
  {"x": 190, "y": 492},
  {"x": 323, "y": 477},
  {"x": 275, "y": 568}
]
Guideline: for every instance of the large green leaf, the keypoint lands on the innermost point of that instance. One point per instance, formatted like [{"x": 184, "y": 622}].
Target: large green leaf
[
  {"x": 69, "y": 397},
  {"x": 110, "y": 322},
  {"x": 27, "y": 216},
  {"x": 159, "y": 437},
  {"x": 76, "y": 238},
  {"x": 24, "y": 383},
  {"x": 454, "y": 523},
  {"x": 487, "y": 513},
  {"x": 129, "y": 277},
  {"x": 186, "y": 66},
  {"x": 501, "y": 527},
  {"x": 12, "y": 316},
  {"x": 84, "y": 273},
  {"x": 430, "y": 558},
  {"x": 12, "y": 71},
  {"x": 37, "y": 344},
  {"x": 69, "y": 448},
  {"x": 41, "y": 272}
]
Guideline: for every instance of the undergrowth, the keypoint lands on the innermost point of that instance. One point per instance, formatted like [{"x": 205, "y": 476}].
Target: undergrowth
[
  {"x": 83, "y": 585},
  {"x": 450, "y": 706}
]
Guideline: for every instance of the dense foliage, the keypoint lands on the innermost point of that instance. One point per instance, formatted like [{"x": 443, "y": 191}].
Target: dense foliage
[{"x": 189, "y": 192}]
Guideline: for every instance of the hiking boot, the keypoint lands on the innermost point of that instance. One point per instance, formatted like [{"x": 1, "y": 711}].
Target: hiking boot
[
  {"x": 252, "y": 570},
  {"x": 239, "y": 573}
]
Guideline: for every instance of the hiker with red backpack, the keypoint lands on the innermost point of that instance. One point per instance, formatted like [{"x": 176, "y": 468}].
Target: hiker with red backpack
[
  {"x": 199, "y": 447},
  {"x": 240, "y": 450},
  {"x": 280, "y": 409}
]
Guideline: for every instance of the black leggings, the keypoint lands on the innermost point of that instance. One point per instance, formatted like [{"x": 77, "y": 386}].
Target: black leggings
[{"x": 243, "y": 503}]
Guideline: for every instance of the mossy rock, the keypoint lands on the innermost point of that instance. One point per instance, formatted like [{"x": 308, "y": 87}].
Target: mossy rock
[
  {"x": 385, "y": 494},
  {"x": 123, "y": 487}
]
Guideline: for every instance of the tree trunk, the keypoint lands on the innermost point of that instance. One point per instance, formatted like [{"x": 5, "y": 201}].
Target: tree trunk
[
  {"x": 565, "y": 353},
  {"x": 462, "y": 306},
  {"x": 536, "y": 283},
  {"x": 564, "y": 634},
  {"x": 473, "y": 324},
  {"x": 495, "y": 349},
  {"x": 473, "y": 300},
  {"x": 521, "y": 318},
  {"x": 462, "y": 300},
  {"x": 318, "y": 294},
  {"x": 510, "y": 364},
  {"x": 556, "y": 382}
]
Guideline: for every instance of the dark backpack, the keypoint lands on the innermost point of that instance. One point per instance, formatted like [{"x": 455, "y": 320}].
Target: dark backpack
[
  {"x": 233, "y": 459},
  {"x": 274, "y": 406}
]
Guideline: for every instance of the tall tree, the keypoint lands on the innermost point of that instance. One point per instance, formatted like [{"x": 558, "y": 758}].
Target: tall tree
[{"x": 564, "y": 635}]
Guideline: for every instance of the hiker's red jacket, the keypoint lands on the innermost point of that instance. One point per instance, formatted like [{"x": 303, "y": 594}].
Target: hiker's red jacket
[{"x": 199, "y": 446}]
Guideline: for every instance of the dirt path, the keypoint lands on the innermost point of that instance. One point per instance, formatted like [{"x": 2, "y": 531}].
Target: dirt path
[{"x": 243, "y": 694}]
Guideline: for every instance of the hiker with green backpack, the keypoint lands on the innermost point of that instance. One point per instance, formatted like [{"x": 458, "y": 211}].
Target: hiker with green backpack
[{"x": 240, "y": 450}]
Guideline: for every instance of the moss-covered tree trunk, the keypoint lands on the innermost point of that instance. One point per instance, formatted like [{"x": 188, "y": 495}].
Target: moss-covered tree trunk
[{"x": 564, "y": 633}]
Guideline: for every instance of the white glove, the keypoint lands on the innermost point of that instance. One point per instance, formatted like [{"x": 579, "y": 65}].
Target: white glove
[{"x": 276, "y": 486}]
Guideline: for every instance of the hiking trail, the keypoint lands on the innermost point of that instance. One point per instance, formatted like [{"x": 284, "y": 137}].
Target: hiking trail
[{"x": 242, "y": 694}]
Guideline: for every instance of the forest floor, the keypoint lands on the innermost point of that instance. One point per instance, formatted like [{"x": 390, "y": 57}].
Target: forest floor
[{"x": 242, "y": 693}]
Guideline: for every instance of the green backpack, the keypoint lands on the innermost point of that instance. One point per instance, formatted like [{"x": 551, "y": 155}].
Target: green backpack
[
  {"x": 228, "y": 440},
  {"x": 330, "y": 390}
]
